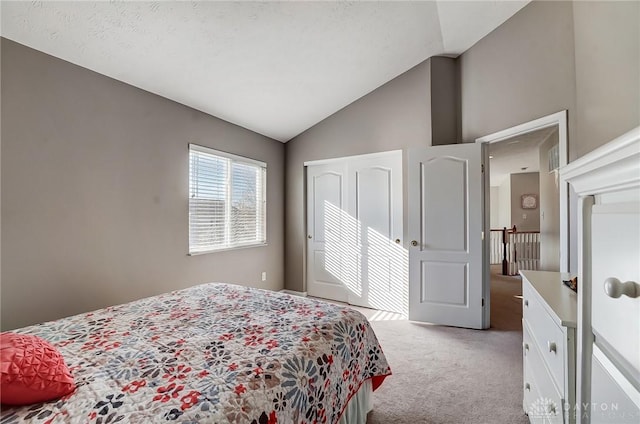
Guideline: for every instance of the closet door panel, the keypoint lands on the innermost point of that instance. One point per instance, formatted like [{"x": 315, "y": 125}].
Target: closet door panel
[
  {"x": 375, "y": 203},
  {"x": 325, "y": 240}
]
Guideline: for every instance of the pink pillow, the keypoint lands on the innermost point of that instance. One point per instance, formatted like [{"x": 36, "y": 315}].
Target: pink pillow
[{"x": 31, "y": 370}]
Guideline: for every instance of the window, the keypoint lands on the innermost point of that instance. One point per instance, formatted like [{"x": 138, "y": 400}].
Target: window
[
  {"x": 554, "y": 158},
  {"x": 227, "y": 201}
]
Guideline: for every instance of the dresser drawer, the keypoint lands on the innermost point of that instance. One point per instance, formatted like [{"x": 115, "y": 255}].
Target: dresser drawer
[
  {"x": 530, "y": 387},
  {"x": 531, "y": 397},
  {"x": 547, "y": 334},
  {"x": 545, "y": 402}
]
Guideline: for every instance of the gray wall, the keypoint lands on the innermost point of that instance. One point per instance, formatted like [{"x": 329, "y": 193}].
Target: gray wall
[
  {"x": 527, "y": 68},
  {"x": 394, "y": 116},
  {"x": 94, "y": 192},
  {"x": 549, "y": 209},
  {"x": 607, "y": 56},
  {"x": 550, "y": 56},
  {"x": 504, "y": 193},
  {"x": 445, "y": 107},
  {"x": 519, "y": 72},
  {"x": 555, "y": 55},
  {"x": 0, "y": 177},
  {"x": 524, "y": 219}
]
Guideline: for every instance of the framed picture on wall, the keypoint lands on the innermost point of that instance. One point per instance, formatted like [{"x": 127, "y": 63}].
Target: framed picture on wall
[{"x": 529, "y": 201}]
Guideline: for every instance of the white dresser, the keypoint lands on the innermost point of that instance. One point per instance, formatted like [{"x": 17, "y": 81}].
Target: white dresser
[
  {"x": 549, "y": 320},
  {"x": 607, "y": 182}
]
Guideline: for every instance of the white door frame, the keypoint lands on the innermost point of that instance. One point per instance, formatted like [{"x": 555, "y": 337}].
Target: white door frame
[
  {"x": 567, "y": 246},
  {"x": 341, "y": 158}
]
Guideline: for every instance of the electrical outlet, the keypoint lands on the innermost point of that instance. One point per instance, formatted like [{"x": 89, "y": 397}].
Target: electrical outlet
[{"x": 264, "y": 275}]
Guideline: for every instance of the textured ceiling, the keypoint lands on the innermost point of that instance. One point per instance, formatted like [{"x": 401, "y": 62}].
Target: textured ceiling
[{"x": 276, "y": 68}]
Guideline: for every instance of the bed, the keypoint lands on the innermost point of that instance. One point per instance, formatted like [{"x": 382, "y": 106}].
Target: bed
[{"x": 213, "y": 353}]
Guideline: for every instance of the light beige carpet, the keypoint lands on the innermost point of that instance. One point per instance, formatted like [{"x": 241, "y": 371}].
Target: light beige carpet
[{"x": 453, "y": 375}]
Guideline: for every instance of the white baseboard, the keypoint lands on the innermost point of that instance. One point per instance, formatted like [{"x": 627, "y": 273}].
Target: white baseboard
[{"x": 293, "y": 292}]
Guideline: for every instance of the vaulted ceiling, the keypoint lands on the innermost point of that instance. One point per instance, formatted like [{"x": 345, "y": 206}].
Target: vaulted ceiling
[{"x": 276, "y": 68}]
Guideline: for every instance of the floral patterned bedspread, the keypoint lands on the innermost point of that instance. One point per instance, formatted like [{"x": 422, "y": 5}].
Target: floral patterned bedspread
[{"x": 214, "y": 353}]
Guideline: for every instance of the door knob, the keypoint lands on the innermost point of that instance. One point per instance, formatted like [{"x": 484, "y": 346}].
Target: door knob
[
  {"x": 414, "y": 243},
  {"x": 614, "y": 288},
  {"x": 397, "y": 241},
  {"x": 309, "y": 236}
]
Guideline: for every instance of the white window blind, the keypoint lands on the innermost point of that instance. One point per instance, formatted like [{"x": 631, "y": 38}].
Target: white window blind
[{"x": 227, "y": 200}]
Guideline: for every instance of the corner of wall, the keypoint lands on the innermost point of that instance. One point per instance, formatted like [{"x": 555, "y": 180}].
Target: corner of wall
[
  {"x": 444, "y": 93},
  {"x": 458, "y": 94}
]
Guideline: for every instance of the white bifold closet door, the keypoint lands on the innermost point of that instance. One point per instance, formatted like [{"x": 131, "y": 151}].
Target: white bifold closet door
[{"x": 354, "y": 225}]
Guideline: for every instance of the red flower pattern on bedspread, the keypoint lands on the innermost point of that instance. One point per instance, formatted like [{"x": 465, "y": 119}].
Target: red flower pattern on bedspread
[{"x": 214, "y": 353}]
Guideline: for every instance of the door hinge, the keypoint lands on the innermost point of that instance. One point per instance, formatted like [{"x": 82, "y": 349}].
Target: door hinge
[
  {"x": 482, "y": 168},
  {"x": 483, "y": 301}
]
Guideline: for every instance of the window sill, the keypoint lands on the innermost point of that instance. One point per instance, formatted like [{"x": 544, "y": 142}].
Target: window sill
[{"x": 225, "y": 249}]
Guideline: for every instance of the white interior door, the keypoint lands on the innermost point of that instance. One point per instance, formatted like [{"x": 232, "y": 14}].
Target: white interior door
[
  {"x": 375, "y": 203},
  {"x": 445, "y": 227},
  {"x": 354, "y": 224},
  {"x": 325, "y": 201}
]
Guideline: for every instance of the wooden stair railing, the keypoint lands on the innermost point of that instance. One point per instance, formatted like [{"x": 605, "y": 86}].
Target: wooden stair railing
[{"x": 515, "y": 249}]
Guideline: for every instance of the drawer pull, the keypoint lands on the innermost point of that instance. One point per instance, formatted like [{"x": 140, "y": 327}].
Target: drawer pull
[
  {"x": 552, "y": 347},
  {"x": 614, "y": 288},
  {"x": 527, "y": 387}
]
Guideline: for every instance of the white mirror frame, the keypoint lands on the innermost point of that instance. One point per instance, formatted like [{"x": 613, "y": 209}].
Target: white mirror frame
[{"x": 559, "y": 119}]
